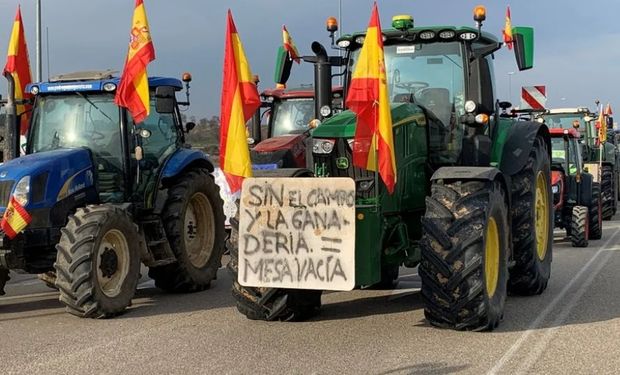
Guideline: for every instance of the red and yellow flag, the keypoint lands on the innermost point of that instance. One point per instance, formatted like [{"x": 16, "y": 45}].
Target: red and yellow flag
[
  {"x": 133, "y": 90},
  {"x": 15, "y": 219},
  {"x": 289, "y": 45},
  {"x": 508, "y": 39},
  {"x": 602, "y": 130},
  {"x": 373, "y": 146},
  {"x": 18, "y": 65},
  {"x": 240, "y": 100}
]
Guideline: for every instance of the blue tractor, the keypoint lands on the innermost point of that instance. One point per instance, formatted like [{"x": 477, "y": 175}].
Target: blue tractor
[{"x": 106, "y": 194}]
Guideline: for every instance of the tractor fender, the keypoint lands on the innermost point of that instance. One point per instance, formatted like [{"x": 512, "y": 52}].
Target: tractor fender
[
  {"x": 480, "y": 174},
  {"x": 585, "y": 189},
  {"x": 184, "y": 159},
  {"x": 519, "y": 142}
]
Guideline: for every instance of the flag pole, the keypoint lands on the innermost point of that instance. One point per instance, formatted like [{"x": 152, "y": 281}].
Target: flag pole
[
  {"x": 600, "y": 153},
  {"x": 376, "y": 150}
]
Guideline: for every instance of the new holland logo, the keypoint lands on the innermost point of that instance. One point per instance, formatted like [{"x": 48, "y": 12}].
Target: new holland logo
[{"x": 342, "y": 163}]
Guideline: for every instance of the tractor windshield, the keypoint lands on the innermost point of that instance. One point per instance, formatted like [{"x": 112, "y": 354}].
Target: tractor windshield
[
  {"x": 77, "y": 120},
  {"x": 564, "y": 120},
  {"x": 291, "y": 116},
  {"x": 565, "y": 154}
]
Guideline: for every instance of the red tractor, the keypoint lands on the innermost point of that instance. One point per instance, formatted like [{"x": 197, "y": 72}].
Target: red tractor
[
  {"x": 576, "y": 197},
  {"x": 280, "y": 133}
]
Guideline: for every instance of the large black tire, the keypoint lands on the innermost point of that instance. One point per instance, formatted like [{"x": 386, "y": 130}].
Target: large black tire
[
  {"x": 595, "y": 213},
  {"x": 194, "y": 224},
  {"x": 269, "y": 303},
  {"x": 532, "y": 238},
  {"x": 463, "y": 285},
  {"x": 608, "y": 192},
  {"x": 98, "y": 261},
  {"x": 579, "y": 232}
]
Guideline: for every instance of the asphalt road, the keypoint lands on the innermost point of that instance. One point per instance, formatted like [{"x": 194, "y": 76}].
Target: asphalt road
[{"x": 574, "y": 327}]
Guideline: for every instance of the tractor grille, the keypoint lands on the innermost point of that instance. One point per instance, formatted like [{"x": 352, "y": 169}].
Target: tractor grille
[
  {"x": 333, "y": 165},
  {"x": 5, "y": 192}
]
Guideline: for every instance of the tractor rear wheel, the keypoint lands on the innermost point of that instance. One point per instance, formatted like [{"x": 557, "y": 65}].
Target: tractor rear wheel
[
  {"x": 608, "y": 192},
  {"x": 532, "y": 223},
  {"x": 98, "y": 261},
  {"x": 596, "y": 213},
  {"x": 464, "y": 268},
  {"x": 579, "y": 232},
  {"x": 194, "y": 223},
  {"x": 269, "y": 304}
]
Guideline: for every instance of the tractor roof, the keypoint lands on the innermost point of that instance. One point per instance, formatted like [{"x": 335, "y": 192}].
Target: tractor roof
[
  {"x": 486, "y": 37},
  {"x": 295, "y": 93},
  {"x": 90, "y": 81},
  {"x": 559, "y": 132}
]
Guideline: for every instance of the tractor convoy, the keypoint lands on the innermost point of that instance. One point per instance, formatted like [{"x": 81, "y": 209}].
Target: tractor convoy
[{"x": 478, "y": 192}]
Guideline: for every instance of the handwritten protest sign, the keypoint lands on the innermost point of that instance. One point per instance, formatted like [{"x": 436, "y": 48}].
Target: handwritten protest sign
[{"x": 297, "y": 233}]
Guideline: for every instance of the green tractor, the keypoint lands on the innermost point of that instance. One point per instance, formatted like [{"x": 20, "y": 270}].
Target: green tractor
[
  {"x": 603, "y": 164},
  {"x": 472, "y": 206}
]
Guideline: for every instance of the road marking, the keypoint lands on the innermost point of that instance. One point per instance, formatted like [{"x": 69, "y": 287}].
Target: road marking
[
  {"x": 536, "y": 352},
  {"x": 510, "y": 353},
  {"x": 34, "y": 295}
]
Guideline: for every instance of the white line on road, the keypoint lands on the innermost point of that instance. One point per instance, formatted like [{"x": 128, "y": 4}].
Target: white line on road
[
  {"x": 510, "y": 353},
  {"x": 536, "y": 352}
]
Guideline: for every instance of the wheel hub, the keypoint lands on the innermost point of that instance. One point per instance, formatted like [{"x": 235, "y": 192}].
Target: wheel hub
[
  {"x": 541, "y": 218},
  {"x": 491, "y": 257},
  {"x": 199, "y": 233},
  {"x": 108, "y": 263}
]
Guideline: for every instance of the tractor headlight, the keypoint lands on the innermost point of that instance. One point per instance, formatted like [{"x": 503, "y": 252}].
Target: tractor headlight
[
  {"x": 326, "y": 111},
  {"x": 22, "y": 191},
  {"x": 555, "y": 189},
  {"x": 109, "y": 86},
  {"x": 34, "y": 90},
  {"x": 323, "y": 146}
]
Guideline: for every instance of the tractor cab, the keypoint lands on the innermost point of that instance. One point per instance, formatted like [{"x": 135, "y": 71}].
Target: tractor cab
[
  {"x": 285, "y": 125},
  {"x": 77, "y": 112}
]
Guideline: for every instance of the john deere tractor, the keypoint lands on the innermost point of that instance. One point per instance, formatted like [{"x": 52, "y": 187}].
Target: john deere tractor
[
  {"x": 472, "y": 205},
  {"x": 105, "y": 194},
  {"x": 601, "y": 160}
]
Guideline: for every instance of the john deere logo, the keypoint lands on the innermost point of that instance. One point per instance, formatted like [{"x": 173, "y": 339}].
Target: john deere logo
[{"x": 342, "y": 163}]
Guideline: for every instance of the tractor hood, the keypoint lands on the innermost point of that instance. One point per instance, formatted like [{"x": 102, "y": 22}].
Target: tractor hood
[
  {"x": 282, "y": 142},
  {"x": 54, "y": 175},
  {"x": 342, "y": 125}
]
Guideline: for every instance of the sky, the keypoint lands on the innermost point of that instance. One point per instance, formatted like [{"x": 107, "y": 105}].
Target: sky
[{"x": 577, "y": 43}]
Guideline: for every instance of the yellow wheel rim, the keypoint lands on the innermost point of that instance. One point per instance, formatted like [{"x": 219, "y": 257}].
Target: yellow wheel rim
[
  {"x": 491, "y": 257},
  {"x": 541, "y": 221}
]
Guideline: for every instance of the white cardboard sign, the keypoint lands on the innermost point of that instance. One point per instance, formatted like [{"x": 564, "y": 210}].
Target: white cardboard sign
[{"x": 297, "y": 233}]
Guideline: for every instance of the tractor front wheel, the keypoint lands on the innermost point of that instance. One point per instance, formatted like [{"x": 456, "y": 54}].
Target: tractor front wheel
[
  {"x": 608, "y": 195},
  {"x": 194, "y": 223},
  {"x": 532, "y": 223},
  {"x": 464, "y": 268},
  {"x": 269, "y": 304},
  {"x": 579, "y": 232},
  {"x": 98, "y": 262}
]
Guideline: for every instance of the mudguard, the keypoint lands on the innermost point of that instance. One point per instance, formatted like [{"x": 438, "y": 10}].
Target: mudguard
[
  {"x": 473, "y": 173},
  {"x": 184, "y": 158},
  {"x": 519, "y": 142}
]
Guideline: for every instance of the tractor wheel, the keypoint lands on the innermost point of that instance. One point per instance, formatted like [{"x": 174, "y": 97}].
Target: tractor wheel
[
  {"x": 464, "y": 268},
  {"x": 98, "y": 261},
  {"x": 595, "y": 213},
  {"x": 579, "y": 227},
  {"x": 269, "y": 304},
  {"x": 194, "y": 223},
  {"x": 608, "y": 195},
  {"x": 532, "y": 224}
]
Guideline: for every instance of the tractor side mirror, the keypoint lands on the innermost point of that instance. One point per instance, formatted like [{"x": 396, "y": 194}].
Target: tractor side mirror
[
  {"x": 189, "y": 126},
  {"x": 164, "y": 99},
  {"x": 524, "y": 47}
]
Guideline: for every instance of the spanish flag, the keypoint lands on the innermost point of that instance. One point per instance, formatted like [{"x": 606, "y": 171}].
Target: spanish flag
[
  {"x": 508, "y": 39},
  {"x": 368, "y": 97},
  {"x": 133, "y": 90},
  {"x": 15, "y": 219},
  {"x": 239, "y": 102},
  {"x": 18, "y": 65},
  {"x": 289, "y": 45},
  {"x": 602, "y": 130}
]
